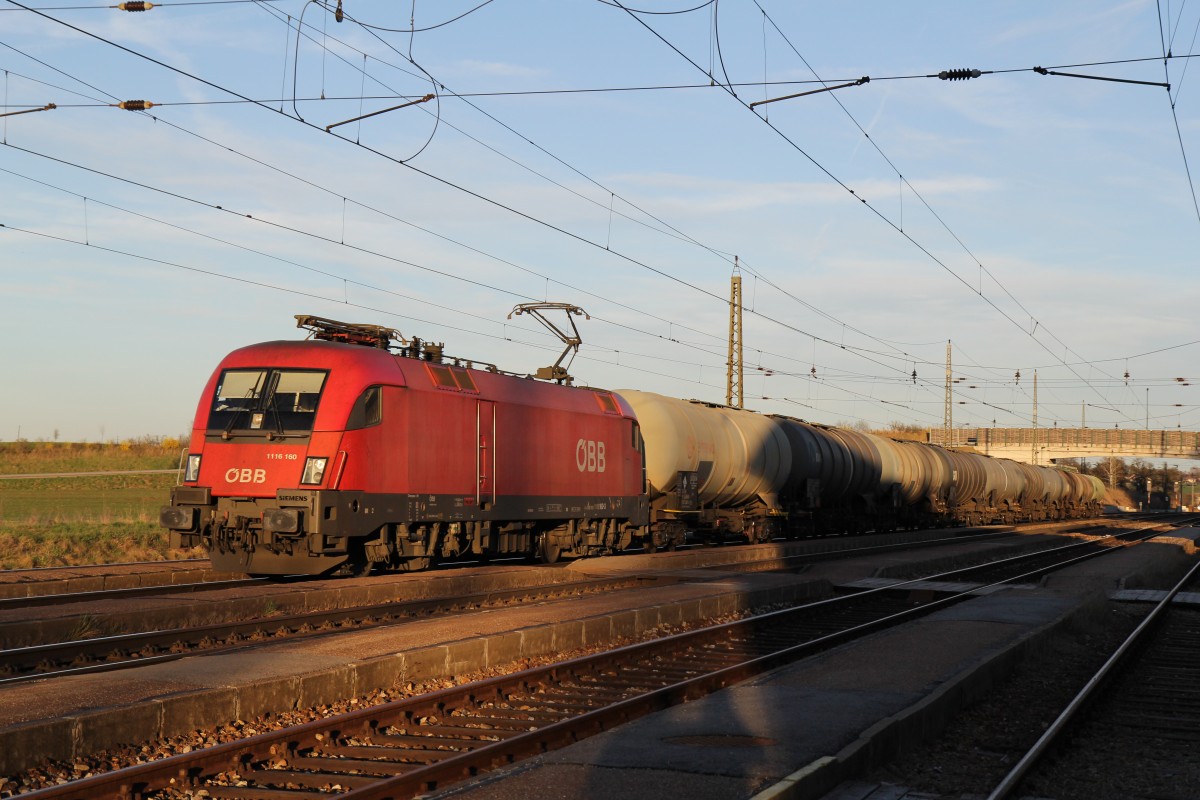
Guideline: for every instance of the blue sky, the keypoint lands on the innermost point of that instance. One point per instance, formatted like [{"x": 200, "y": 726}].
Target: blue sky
[{"x": 1037, "y": 222}]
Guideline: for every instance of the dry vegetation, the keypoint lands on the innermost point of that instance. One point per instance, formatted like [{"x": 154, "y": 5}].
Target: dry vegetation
[
  {"x": 26, "y": 458},
  {"x": 84, "y": 520}
]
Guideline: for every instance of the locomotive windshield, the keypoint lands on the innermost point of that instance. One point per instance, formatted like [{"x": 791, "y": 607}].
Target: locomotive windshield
[{"x": 269, "y": 400}]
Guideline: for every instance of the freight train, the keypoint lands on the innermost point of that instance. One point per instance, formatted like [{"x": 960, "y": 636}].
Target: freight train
[{"x": 355, "y": 449}]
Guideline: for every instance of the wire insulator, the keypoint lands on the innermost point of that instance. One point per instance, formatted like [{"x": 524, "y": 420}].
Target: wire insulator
[
  {"x": 959, "y": 74},
  {"x": 136, "y": 5},
  {"x": 135, "y": 105}
]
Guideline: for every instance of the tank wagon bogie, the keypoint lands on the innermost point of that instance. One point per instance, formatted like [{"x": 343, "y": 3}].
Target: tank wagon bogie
[{"x": 347, "y": 452}]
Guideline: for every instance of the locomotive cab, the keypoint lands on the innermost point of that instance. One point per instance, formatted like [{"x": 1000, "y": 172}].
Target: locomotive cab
[{"x": 266, "y": 450}]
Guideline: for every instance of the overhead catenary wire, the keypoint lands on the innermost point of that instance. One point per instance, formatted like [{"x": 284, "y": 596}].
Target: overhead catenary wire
[
  {"x": 1175, "y": 117},
  {"x": 943, "y": 74},
  {"x": 862, "y": 200},
  {"x": 950, "y": 75},
  {"x": 841, "y": 345},
  {"x": 903, "y": 355},
  {"x": 263, "y": 163},
  {"x": 808, "y": 305},
  {"x": 329, "y": 240},
  {"x": 436, "y": 178},
  {"x": 262, "y": 284},
  {"x": 239, "y": 101},
  {"x": 258, "y": 220}
]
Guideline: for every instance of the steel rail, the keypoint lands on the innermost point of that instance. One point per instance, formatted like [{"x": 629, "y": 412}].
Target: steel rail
[{"x": 1090, "y": 690}]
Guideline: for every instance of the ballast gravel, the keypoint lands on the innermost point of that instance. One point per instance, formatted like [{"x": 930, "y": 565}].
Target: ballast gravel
[{"x": 984, "y": 742}]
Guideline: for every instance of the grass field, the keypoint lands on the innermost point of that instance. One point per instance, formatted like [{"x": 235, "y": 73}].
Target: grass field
[{"x": 91, "y": 520}]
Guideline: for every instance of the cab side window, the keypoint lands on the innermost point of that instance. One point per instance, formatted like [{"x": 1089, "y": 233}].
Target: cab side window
[{"x": 367, "y": 410}]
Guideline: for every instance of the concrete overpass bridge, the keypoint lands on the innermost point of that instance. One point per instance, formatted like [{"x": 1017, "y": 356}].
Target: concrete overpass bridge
[{"x": 1042, "y": 445}]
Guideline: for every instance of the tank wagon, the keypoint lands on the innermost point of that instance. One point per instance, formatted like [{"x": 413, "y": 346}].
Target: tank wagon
[
  {"x": 713, "y": 470},
  {"x": 355, "y": 449}
]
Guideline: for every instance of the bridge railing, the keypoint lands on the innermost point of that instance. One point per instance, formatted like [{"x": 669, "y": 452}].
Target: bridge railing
[{"x": 1180, "y": 441}]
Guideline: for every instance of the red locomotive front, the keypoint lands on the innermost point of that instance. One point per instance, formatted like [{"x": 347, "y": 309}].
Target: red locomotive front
[{"x": 338, "y": 454}]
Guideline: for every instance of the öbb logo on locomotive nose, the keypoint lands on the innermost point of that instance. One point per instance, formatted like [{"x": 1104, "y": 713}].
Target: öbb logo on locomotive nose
[
  {"x": 589, "y": 455},
  {"x": 245, "y": 475}
]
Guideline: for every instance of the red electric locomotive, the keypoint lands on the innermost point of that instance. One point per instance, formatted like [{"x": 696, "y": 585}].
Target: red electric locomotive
[{"x": 356, "y": 448}]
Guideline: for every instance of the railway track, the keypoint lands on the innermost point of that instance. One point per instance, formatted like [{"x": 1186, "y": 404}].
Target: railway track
[
  {"x": 121, "y": 651},
  {"x": 102, "y": 654},
  {"x": 407, "y": 747},
  {"x": 1141, "y": 708}
]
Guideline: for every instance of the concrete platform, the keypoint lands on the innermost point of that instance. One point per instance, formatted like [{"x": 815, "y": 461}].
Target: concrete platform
[
  {"x": 63, "y": 580},
  {"x": 1155, "y": 596},
  {"x": 801, "y": 730}
]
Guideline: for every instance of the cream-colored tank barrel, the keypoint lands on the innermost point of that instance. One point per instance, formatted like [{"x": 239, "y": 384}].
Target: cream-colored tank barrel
[
  {"x": 768, "y": 458},
  {"x": 1035, "y": 483},
  {"x": 817, "y": 453},
  {"x": 916, "y": 471},
  {"x": 739, "y": 455},
  {"x": 1057, "y": 489},
  {"x": 1017, "y": 481},
  {"x": 943, "y": 478},
  {"x": 1079, "y": 489}
]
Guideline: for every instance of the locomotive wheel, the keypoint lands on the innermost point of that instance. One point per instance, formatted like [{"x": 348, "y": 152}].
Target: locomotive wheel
[
  {"x": 353, "y": 568},
  {"x": 414, "y": 564},
  {"x": 548, "y": 549}
]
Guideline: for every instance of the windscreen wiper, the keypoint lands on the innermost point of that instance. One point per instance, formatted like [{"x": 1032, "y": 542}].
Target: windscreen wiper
[{"x": 237, "y": 413}]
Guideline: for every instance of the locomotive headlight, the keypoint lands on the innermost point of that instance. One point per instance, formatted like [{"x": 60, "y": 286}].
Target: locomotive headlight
[
  {"x": 192, "y": 473},
  {"x": 314, "y": 470}
]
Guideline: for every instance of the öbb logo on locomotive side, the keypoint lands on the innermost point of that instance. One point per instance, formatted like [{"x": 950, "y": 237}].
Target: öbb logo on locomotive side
[
  {"x": 245, "y": 475},
  {"x": 589, "y": 455}
]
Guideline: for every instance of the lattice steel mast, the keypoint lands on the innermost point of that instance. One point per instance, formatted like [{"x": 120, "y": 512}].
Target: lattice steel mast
[
  {"x": 948, "y": 420},
  {"x": 734, "y": 394}
]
